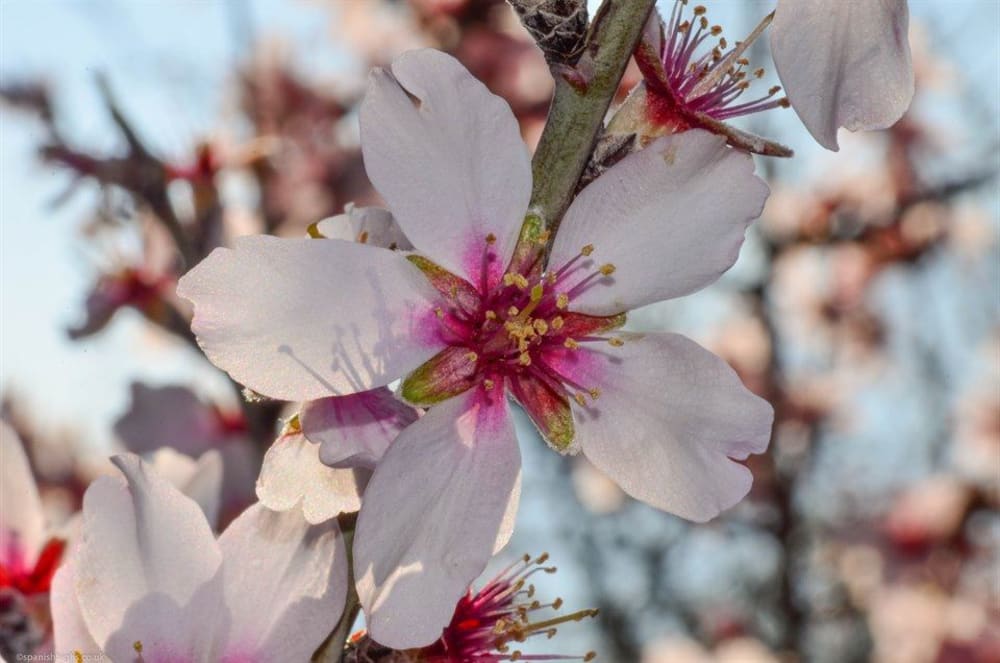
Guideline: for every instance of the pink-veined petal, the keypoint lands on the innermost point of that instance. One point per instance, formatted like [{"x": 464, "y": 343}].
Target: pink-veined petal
[
  {"x": 299, "y": 319},
  {"x": 292, "y": 477},
  {"x": 145, "y": 566},
  {"x": 441, "y": 502},
  {"x": 70, "y": 632},
  {"x": 285, "y": 585},
  {"x": 447, "y": 156},
  {"x": 22, "y": 521},
  {"x": 843, "y": 64},
  {"x": 669, "y": 418},
  {"x": 354, "y": 431},
  {"x": 366, "y": 225},
  {"x": 670, "y": 218}
]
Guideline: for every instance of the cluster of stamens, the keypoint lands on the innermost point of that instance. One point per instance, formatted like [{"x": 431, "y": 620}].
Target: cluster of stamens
[
  {"x": 488, "y": 624},
  {"x": 712, "y": 81},
  {"x": 508, "y": 328}
]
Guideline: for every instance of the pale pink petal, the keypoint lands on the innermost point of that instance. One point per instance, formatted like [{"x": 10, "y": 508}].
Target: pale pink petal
[
  {"x": 299, "y": 319},
  {"x": 668, "y": 421},
  {"x": 201, "y": 479},
  {"x": 22, "y": 521},
  {"x": 168, "y": 416},
  {"x": 285, "y": 585},
  {"x": 69, "y": 629},
  {"x": 843, "y": 64},
  {"x": 354, "y": 431},
  {"x": 441, "y": 501},
  {"x": 144, "y": 566},
  {"x": 447, "y": 156},
  {"x": 293, "y": 477},
  {"x": 669, "y": 218},
  {"x": 367, "y": 225}
]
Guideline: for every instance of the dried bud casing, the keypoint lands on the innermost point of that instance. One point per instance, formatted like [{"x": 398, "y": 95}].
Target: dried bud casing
[{"x": 559, "y": 27}]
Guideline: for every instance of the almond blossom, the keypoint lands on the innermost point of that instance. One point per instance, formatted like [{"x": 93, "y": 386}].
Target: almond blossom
[
  {"x": 476, "y": 313},
  {"x": 489, "y": 625},
  {"x": 842, "y": 64},
  {"x": 150, "y": 582}
]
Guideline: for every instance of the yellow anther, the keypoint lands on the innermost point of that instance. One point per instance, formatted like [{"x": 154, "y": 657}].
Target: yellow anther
[
  {"x": 541, "y": 327},
  {"x": 363, "y": 237},
  {"x": 524, "y": 359},
  {"x": 607, "y": 269},
  {"x": 77, "y": 656},
  {"x": 587, "y": 250},
  {"x": 562, "y": 300},
  {"x": 557, "y": 322},
  {"x": 571, "y": 344},
  {"x": 700, "y": 10},
  {"x": 543, "y": 237},
  {"x": 716, "y": 30},
  {"x": 488, "y": 384},
  {"x": 438, "y": 312},
  {"x": 536, "y": 292},
  {"x": 512, "y": 311},
  {"x": 616, "y": 342},
  {"x": 508, "y": 279},
  {"x": 594, "y": 392},
  {"x": 137, "y": 646},
  {"x": 491, "y": 239},
  {"x": 580, "y": 398},
  {"x": 551, "y": 278},
  {"x": 471, "y": 356},
  {"x": 491, "y": 315}
]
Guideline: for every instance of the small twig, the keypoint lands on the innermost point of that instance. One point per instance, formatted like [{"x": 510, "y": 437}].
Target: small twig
[
  {"x": 332, "y": 649},
  {"x": 582, "y": 96}
]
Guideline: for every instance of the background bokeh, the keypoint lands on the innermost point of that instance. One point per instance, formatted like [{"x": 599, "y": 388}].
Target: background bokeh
[{"x": 864, "y": 307}]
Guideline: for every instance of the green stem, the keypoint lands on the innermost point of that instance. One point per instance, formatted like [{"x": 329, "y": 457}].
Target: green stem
[
  {"x": 581, "y": 100},
  {"x": 332, "y": 649}
]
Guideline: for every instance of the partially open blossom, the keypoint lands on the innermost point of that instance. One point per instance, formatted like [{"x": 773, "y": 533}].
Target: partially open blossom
[
  {"x": 150, "y": 582},
  {"x": 489, "y": 625},
  {"x": 695, "y": 79},
  {"x": 28, "y": 556},
  {"x": 844, "y": 64},
  {"x": 475, "y": 314}
]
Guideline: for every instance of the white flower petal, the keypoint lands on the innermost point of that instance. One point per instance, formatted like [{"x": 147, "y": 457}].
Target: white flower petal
[
  {"x": 70, "y": 632},
  {"x": 285, "y": 584},
  {"x": 447, "y": 156},
  {"x": 145, "y": 563},
  {"x": 441, "y": 501},
  {"x": 367, "y": 225},
  {"x": 843, "y": 64},
  {"x": 670, "y": 218},
  {"x": 669, "y": 418},
  {"x": 293, "y": 477},
  {"x": 299, "y": 319},
  {"x": 201, "y": 479},
  {"x": 355, "y": 430},
  {"x": 22, "y": 521}
]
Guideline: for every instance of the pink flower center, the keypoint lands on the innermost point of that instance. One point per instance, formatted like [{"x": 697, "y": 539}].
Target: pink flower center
[{"x": 509, "y": 329}]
